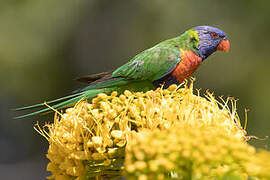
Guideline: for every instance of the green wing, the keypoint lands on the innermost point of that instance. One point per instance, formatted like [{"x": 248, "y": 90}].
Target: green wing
[{"x": 151, "y": 64}]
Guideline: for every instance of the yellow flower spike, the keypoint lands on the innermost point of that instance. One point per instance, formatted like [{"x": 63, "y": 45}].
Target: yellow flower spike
[{"x": 160, "y": 130}]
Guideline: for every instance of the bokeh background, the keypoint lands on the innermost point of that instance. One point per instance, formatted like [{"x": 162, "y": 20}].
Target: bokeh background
[{"x": 44, "y": 45}]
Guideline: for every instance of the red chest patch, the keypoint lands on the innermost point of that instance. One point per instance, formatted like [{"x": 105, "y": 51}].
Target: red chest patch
[{"x": 188, "y": 65}]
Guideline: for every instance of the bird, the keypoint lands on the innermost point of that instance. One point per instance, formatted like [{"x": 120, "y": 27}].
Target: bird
[{"x": 168, "y": 62}]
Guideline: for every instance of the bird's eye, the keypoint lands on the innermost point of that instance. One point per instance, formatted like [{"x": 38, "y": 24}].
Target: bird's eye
[{"x": 214, "y": 35}]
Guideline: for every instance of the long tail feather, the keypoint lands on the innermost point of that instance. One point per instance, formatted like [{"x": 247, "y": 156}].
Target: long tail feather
[
  {"x": 74, "y": 98},
  {"x": 48, "y": 102}
]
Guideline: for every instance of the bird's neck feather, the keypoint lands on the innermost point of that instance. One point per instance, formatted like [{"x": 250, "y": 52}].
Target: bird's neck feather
[{"x": 188, "y": 41}]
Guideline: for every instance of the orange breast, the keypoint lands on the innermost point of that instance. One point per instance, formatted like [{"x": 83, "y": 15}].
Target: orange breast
[{"x": 188, "y": 65}]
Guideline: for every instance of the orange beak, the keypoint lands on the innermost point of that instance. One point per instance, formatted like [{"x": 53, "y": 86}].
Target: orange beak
[{"x": 224, "y": 46}]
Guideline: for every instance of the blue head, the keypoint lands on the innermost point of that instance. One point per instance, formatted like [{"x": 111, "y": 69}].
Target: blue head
[{"x": 210, "y": 40}]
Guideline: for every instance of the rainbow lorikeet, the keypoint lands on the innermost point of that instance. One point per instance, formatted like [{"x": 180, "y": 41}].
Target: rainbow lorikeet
[{"x": 168, "y": 62}]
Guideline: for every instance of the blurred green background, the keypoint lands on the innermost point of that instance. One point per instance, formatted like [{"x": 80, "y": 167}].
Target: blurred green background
[{"x": 44, "y": 45}]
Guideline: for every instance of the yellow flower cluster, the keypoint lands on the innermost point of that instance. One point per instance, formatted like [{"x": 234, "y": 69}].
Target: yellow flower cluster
[
  {"x": 193, "y": 152},
  {"x": 89, "y": 140}
]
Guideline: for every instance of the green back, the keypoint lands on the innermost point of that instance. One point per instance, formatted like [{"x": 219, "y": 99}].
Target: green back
[{"x": 160, "y": 60}]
